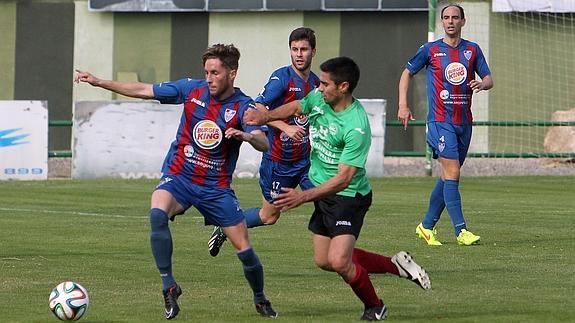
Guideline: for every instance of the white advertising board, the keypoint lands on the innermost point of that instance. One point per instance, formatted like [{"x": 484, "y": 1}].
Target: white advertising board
[
  {"x": 131, "y": 139},
  {"x": 23, "y": 140},
  {"x": 122, "y": 139}
]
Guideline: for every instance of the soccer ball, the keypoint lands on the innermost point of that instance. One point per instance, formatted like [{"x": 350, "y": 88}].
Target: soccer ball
[{"x": 69, "y": 301}]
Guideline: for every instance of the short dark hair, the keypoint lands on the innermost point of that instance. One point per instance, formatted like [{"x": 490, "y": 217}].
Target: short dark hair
[
  {"x": 229, "y": 55},
  {"x": 303, "y": 33},
  {"x": 342, "y": 69},
  {"x": 454, "y": 5}
]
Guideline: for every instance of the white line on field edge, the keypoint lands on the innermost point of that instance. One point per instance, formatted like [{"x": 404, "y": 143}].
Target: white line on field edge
[{"x": 68, "y": 212}]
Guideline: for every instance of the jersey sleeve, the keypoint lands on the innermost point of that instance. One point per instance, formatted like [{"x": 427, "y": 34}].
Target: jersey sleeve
[
  {"x": 482, "y": 68},
  {"x": 356, "y": 149},
  {"x": 248, "y": 104},
  {"x": 174, "y": 92},
  {"x": 419, "y": 60},
  {"x": 312, "y": 99},
  {"x": 272, "y": 91}
]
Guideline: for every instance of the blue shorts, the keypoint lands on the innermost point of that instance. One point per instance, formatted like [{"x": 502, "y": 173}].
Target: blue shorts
[
  {"x": 275, "y": 175},
  {"x": 449, "y": 141},
  {"x": 219, "y": 206}
]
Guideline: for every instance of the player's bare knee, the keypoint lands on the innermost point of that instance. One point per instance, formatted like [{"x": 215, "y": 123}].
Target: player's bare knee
[
  {"x": 322, "y": 263},
  {"x": 340, "y": 265},
  {"x": 238, "y": 237}
]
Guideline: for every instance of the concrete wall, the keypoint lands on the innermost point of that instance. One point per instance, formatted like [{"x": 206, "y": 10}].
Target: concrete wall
[
  {"x": 93, "y": 49},
  {"x": 257, "y": 36}
]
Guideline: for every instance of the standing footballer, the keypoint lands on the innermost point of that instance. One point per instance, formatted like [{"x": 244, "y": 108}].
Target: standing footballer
[{"x": 451, "y": 63}]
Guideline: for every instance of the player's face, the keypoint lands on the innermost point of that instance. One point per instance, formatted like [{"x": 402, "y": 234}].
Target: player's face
[
  {"x": 331, "y": 92},
  {"x": 452, "y": 22},
  {"x": 301, "y": 54},
  {"x": 220, "y": 79}
]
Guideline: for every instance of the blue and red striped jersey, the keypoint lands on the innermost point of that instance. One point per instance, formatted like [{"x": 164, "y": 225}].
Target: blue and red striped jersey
[
  {"x": 283, "y": 86},
  {"x": 200, "y": 151},
  {"x": 449, "y": 71}
]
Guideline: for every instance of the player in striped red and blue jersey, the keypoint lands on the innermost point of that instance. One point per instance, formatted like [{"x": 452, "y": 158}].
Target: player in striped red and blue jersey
[
  {"x": 286, "y": 163},
  {"x": 452, "y": 63},
  {"x": 198, "y": 168},
  {"x": 200, "y": 152}
]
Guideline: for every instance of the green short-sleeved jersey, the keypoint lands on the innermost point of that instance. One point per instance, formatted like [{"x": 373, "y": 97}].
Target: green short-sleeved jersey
[{"x": 337, "y": 137}]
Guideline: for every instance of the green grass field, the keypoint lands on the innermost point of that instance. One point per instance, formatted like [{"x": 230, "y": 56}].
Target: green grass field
[{"x": 96, "y": 233}]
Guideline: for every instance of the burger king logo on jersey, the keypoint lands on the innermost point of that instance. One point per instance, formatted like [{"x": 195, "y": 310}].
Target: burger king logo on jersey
[
  {"x": 455, "y": 73},
  {"x": 207, "y": 134}
]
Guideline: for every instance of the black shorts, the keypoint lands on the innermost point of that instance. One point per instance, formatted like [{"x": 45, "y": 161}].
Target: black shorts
[{"x": 336, "y": 215}]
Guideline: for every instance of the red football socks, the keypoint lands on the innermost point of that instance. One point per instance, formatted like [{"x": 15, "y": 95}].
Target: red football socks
[{"x": 374, "y": 263}]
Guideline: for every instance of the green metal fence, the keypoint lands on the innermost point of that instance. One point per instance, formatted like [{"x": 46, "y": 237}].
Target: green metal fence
[
  {"x": 494, "y": 123},
  {"x": 60, "y": 153}
]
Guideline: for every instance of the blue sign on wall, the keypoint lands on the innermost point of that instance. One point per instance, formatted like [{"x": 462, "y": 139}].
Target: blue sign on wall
[{"x": 8, "y": 138}]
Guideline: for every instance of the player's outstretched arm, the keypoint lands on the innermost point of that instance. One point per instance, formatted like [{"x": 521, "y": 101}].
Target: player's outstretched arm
[
  {"x": 257, "y": 117},
  {"x": 131, "y": 89},
  {"x": 294, "y": 132},
  {"x": 403, "y": 112}
]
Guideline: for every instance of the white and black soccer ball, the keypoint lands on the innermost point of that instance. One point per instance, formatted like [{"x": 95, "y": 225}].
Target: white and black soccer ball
[{"x": 69, "y": 301}]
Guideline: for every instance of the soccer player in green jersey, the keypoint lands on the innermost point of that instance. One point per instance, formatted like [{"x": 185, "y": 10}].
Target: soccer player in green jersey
[{"x": 341, "y": 137}]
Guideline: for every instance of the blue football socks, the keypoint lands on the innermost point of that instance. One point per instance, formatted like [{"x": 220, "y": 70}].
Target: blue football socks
[
  {"x": 254, "y": 273},
  {"x": 162, "y": 247},
  {"x": 436, "y": 205},
  {"x": 253, "y": 217},
  {"x": 453, "y": 204}
]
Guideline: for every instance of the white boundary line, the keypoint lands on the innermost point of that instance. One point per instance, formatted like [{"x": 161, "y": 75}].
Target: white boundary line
[
  {"x": 105, "y": 215},
  {"x": 68, "y": 212}
]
